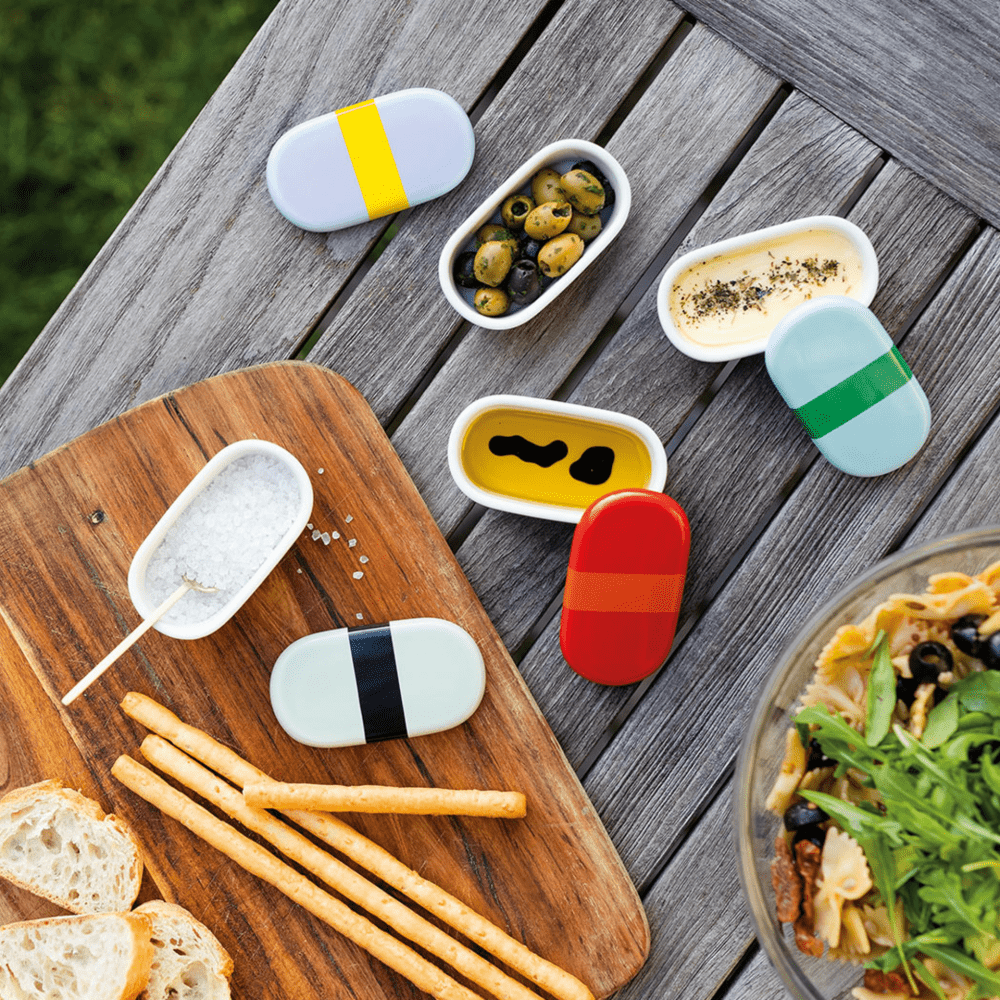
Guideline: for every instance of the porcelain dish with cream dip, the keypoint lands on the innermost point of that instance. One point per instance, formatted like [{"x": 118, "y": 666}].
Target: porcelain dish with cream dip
[{"x": 722, "y": 301}]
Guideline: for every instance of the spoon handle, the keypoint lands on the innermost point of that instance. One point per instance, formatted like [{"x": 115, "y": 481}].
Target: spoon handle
[{"x": 126, "y": 643}]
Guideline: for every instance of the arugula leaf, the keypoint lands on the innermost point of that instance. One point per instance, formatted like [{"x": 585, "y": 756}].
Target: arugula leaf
[
  {"x": 961, "y": 963},
  {"x": 881, "y": 695},
  {"x": 942, "y": 721},
  {"x": 927, "y": 978}
]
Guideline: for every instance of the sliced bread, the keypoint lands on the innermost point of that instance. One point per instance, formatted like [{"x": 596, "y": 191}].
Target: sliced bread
[
  {"x": 189, "y": 963},
  {"x": 104, "y": 956},
  {"x": 59, "y": 844}
]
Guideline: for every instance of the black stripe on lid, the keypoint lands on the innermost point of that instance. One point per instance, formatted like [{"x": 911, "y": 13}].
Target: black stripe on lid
[{"x": 378, "y": 682}]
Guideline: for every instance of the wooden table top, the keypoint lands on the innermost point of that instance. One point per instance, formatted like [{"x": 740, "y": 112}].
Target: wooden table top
[{"x": 727, "y": 116}]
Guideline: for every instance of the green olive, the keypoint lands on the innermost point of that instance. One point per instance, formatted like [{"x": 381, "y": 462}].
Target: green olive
[
  {"x": 583, "y": 191},
  {"x": 515, "y": 210},
  {"x": 545, "y": 186},
  {"x": 491, "y": 301},
  {"x": 493, "y": 260},
  {"x": 585, "y": 226},
  {"x": 560, "y": 254},
  {"x": 548, "y": 219},
  {"x": 494, "y": 231}
]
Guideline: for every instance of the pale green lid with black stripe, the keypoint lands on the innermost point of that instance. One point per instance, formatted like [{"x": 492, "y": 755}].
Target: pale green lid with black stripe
[{"x": 837, "y": 368}]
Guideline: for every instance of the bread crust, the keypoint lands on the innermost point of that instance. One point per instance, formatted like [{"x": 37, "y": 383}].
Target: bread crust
[
  {"x": 141, "y": 928},
  {"x": 81, "y": 804}
]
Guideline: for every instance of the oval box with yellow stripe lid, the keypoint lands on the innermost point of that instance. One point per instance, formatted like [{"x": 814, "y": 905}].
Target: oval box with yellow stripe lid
[
  {"x": 623, "y": 586},
  {"x": 838, "y": 369},
  {"x": 370, "y": 159}
]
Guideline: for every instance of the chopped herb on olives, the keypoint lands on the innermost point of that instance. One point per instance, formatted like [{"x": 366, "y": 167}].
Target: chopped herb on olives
[
  {"x": 491, "y": 301},
  {"x": 515, "y": 210},
  {"x": 523, "y": 285}
]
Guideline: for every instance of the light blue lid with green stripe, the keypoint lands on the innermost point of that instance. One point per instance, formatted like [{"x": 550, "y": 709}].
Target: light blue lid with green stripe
[{"x": 837, "y": 368}]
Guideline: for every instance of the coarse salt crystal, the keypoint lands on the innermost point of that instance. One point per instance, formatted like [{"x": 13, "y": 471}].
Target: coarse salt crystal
[
  {"x": 352, "y": 542},
  {"x": 358, "y": 574},
  {"x": 309, "y": 526},
  {"x": 326, "y": 537},
  {"x": 316, "y": 534},
  {"x": 363, "y": 559},
  {"x": 349, "y": 518},
  {"x": 336, "y": 534},
  {"x": 359, "y": 615},
  {"x": 320, "y": 471}
]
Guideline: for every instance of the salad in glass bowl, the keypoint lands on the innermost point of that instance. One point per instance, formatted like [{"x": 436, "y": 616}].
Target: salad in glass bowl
[{"x": 879, "y": 835}]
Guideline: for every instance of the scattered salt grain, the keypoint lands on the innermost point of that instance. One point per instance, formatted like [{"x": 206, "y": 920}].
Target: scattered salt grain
[
  {"x": 326, "y": 537},
  {"x": 309, "y": 526},
  {"x": 320, "y": 471},
  {"x": 298, "y": 571},
  {"x": 316, "y": 534},
  {"x": 358, "y": 574},
  {"x": 224, "y": 536},
  {"x": 363, "y": 559},
  {"x": 359, "y": 615},
  {"x": 352, "y": 542},
  {"x": 336, "y": 534},
  {"x": 349, "y": 518}
]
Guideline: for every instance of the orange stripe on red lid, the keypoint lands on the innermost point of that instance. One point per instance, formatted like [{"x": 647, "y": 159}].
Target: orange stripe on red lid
[{"x": 649, "y": 593}]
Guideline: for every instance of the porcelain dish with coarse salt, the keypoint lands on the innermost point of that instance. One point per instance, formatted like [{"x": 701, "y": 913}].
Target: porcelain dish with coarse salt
[
  {"x": 722, "y": 301},
  {"x": 228, "y": 529},
  {"x": 549, "y": 459},
  {"x": 561, "y": 156}
]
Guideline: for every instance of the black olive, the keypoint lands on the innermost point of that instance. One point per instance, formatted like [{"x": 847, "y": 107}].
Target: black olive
[
  {"x": 464, "y": 272},
  {"x": 927, "y": 660},
  {"x": 906, "y": 689},
  {"x": 965, "y": 634},
  {"x": 989, "y": 651},
  {"x": 593, "y": 168},
  {"x": 810, "y": 832},
  {"x": 523, "y": 285},
  {"x": 528, "y": 248},
  {"x": 817, "y": 758},
  {"x": 803, "y": 814}
]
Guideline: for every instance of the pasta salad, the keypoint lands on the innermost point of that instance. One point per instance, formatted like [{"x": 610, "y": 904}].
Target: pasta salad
[{"x": 890, "y": 796}]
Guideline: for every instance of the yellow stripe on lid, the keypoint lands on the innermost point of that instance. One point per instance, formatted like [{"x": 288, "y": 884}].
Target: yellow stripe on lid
[{"x": 372, "y": 159}]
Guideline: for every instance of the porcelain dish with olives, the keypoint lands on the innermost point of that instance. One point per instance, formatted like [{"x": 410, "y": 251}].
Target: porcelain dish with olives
[{"x": 535, "y": 234}]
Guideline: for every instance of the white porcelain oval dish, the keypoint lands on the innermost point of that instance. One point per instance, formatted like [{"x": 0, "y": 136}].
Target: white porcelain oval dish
[
  {"x": 740, "y": 348},
  {"x": 560, "y": 155},
  {"x": 137, "y": 587},
  {"x": 514, "y": 413}
]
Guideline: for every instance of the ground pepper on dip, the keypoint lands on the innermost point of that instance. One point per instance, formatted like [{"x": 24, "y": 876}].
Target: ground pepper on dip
[
  {"x": 740, "y": 296},
  {"x": 890, "y": 796}
]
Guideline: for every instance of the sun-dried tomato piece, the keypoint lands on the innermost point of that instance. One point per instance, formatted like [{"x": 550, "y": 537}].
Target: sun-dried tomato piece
[
  {"x": 786, "y": 881},
  {"x": 886, "y": 982}
]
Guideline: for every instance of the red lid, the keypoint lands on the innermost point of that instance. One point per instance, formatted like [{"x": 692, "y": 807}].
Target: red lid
[{"x": 624, "y": 585}]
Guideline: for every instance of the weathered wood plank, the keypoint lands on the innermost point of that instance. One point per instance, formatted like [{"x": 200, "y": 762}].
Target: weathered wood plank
[
  {"x": 805, "y": 162},
  {"x": 919, "y": 79},
  {"x": 643, "y": 785},
  {"x": 549, "y": 97},
  {"x": 697, "y": 915},
  {"x": 676, "y": 138},
  {"x": 203, "y": 275}
]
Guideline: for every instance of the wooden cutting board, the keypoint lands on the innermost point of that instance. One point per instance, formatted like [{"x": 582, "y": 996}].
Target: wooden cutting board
[{"x": 70, "y": 525}]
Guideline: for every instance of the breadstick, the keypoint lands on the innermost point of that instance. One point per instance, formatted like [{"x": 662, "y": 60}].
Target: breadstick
[
  {"x": 346, "y": 881},
  {"x": 363, "y": 852},
  {"x": 256, "y": 860},
  {"x": 384, "y": 799}
]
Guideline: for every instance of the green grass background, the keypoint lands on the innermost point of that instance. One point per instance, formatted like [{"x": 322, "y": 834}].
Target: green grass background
[{"x": 93, "y": 96}]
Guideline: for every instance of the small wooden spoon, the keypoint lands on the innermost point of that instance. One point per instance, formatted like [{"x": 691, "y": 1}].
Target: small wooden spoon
[{"x": 134, "y": 636}]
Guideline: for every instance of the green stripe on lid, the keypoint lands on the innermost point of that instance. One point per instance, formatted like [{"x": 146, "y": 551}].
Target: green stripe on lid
[{"x": 857, "y": 393}]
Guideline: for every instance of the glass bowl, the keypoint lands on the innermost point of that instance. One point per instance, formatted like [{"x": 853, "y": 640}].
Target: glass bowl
[{"x": 763, "y": 746}]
